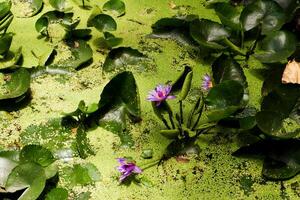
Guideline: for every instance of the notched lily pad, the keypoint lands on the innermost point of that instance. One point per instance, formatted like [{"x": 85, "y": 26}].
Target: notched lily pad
[
  {"x": 14, "y": 84},
  {"x": 36, "y": 154},
  {"x": 102, "y": 22},
  {"x": 11, "y": 59},
  {"x": 60, "y": 5},
  {"x": 122, "y": 57},
  {"x": 117, "y": 7},
  {"x": 26, "y": 8},
  {"x": 265, "y": 13},
  {"x": 276, "y": 47},
  {"x": 208, "y": 33},
  {"x": 108, "y": 41}
]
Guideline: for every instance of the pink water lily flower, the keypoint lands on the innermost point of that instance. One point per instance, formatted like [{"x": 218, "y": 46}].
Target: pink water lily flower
[
  {"x": 127, "y": 168},
  {"x": 160, "y": 94},
  {"x": 207, "y": 83}
]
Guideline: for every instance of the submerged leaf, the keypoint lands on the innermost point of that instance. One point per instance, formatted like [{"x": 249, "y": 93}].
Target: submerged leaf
[
  {"x": 116, "y": 6},
  {"x": 60, "y": 5}
]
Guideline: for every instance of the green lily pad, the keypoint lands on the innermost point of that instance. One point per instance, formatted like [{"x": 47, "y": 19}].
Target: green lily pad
[
  {"x": 265, "y": 13},
  {"x": 7, "y": 164},
  {"x": 60, "y": 5},
  {"x": 36, "y": 154},
  {"x": 72, "y": 54},
  {"x": 108, "y": 41},
  {"x": 175, "y": 29},
  {"x": 28, "y": 176},
  {"x": 6, "y": 15},
  {"x": 57, "y": 194},
  {"x": 229, "y": 15},
  {"x": 115, "y": 6},
  {"x": 119, "y": 58},
  {"x": 102, "y": 23},
  {"x": 276, "y": 47},
  {"x": 26, "y": 8},
  {"x": 224, "y": 99},
  {"x": 208, "y": 33},
  {"x": 11, "y": 59},
  {"x": 5, "y": 42},
  {"x": 5, "y": 7},
  {"x": 14, "y": 84},
  {"x": 83, "y": 174}
]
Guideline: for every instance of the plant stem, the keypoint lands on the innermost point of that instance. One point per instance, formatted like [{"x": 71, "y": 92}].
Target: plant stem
[
  {"x": 166, "y": 123},
  {"x": 251, "y": 51},
  {"x": 234, "y": 47},
  {"x": 171, "y": 120},
  {"x": 150, "y": 164},
  {"x": 199, "y": 116},
  {"x": 181, "y": 112}
]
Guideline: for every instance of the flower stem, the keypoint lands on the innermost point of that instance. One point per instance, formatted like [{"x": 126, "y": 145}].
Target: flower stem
[
  {"x": 150, "y": 164},
  {"x": 234, "y": 47},
  {"x": 181, "y": 112},
  {"x": 171, "y": 120},
  {"x": 166, "y": 123}
]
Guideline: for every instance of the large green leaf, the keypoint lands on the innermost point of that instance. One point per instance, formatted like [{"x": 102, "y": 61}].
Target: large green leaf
[
  {"x": 119, "y": 98},
  {"x": 265, "y": 13},
  {"x": 60, "y": 5},
  {"x": 14, "y": 84},
  {"x": 29, "y": 176},
  {"x": 11, "y": 59},
  {"x": 72, "y": 54},
  {"x": 224, "y": 99},
  {"x": 120, "y": 58},
  {"x": 102, "y": 22},
  {"x": 281, "y": 157},
  {"x": 36, "y": 154},
  {"x": 8, "y": 161},
  {"x": 229, "y": 15},
  {"x": 208, "y": 33},
  {"x": 116, "y": 6},
  {"x": 5, "y": 42},
  {"x": 276, "y": 47},
  {"x": 27, "y": 8},
  {"x": 175, "y": 29}
]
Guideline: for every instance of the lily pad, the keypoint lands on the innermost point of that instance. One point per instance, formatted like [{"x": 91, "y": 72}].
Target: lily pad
[
  {"x": 224, "y": 99},
  {"x": 26, "y": 8},
  {"x": 5, "y": 42},
  {"x": 102, "y": 23},
  {"x": 120, "y": 58},
  {"x": 6, "y": 15},
  {"x": 60, "y": 5},
  {"x": 5, "y": 7},
  {"x": 29, "y": 176},
  {"x": 276, "y": 47},
  {"x": 14, "y": 84},
  {"x": 57, "y": 194},
  {"x": 11, "y": 59},
  {"x": 108, "y": 41},
  {"x": 265, "y": 13},
  {"x": 72, "y": 54},
  {"x": 36, "y": 154},
  {"x": 115, "y": 6},
  {"x": 7, "y": 164},
  {"x": 208, "y": 33}
]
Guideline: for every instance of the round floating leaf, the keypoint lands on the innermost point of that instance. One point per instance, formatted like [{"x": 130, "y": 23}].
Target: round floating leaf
[
  {"x": 102, "y": 22},
  {"x": 119, "y": 58},
  {"x": 4, "y": 8},
  {"x": 60, "y": 5},
  {"x": 11, "y": 59},
  {"x": 270, "y": 122},
  {"x": 276, "y": 47},
  {"x": 224, "y": 99},
  {"x": 14, "y": 84},
  {"x": 265, "y": 13},
  {"x": 208, "y": 33},
  {"x": 7, "y": 164},
  {"x": 26, "y": 8},
  {"x": 72, "y": 54},
  {"x": 29, "y": 176},
  {"x": 229, "y": 15},
  {"x": 108, "y": 41},
  {"x": 5, "y": 42},
  {"x": 289, "y": 6},
  {"x": 36, "y": 154},
  {"x": 57, "y": 194},
  {"x": 116, "y": 6}
]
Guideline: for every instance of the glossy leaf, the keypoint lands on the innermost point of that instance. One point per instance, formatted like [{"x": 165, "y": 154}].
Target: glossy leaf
[
  {"x": 175, "y": 29},
  {"x": 281, "y": 157},
  {"x": 229, "y": 15},
  {"x": 57, "y": 194},
  {"x": 29, "y": 176},
  {"x": 120, "y": 58},
  {"x": 27, "y": 8},
  {"x": 102, "y": 23},
  {"x": 276, "y": 47},
  {"x": 60, "y": 5},
  {"x": 14, "y": 84},
  {"x": 179, "y": 82},
  {"x": 208, "y": 33},
  {"x": 265, "y": 13},
  {"x": 108, "y": 41},
  {"x": 7, "y": 164},
  {"x": 36, "y": 154},
  {"x": 186, "y": 86},
  {"x": 116, "y": 6},
  {"x": 4, "y": 8},
  {"x": 11, "y": 59},
  {"x": 80, "y": 52},
  {"x": 224, "y": 99},
  {"x": 5, "y": 42}
]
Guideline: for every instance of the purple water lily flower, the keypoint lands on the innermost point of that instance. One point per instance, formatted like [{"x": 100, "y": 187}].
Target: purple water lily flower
[
  {"x": 127, "y": 168},
  {"x": 207, "y": 82},
  {"x": 160, "y": 94}
]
